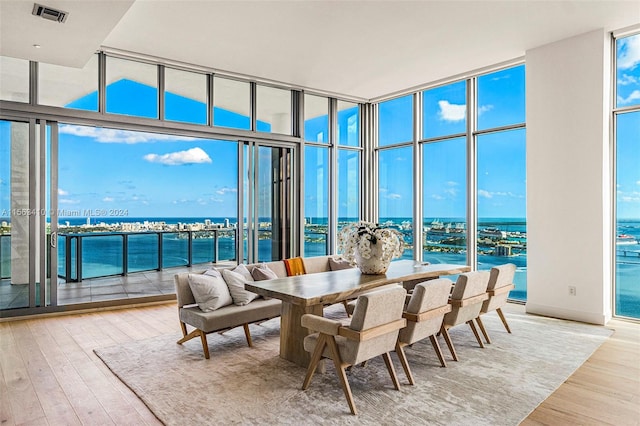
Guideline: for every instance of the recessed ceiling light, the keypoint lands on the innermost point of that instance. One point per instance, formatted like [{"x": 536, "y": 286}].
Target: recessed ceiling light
[{"x": 37, "y": 46}]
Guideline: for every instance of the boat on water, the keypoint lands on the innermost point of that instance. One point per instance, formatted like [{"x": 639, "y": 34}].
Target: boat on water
[
  {"x": 625, "y": 239},
  {"x": 491, "y": 232}
]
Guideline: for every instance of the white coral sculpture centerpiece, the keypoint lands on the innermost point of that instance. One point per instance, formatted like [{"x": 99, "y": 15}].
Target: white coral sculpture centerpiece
[{"x": 370, "y": 246}]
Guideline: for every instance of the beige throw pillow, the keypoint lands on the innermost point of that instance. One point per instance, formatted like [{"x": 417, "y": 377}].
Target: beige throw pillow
[
  {"x": 235, "y": 282},
  {"x": 262, "y": 272},
  {"x": 335, "y": 264},
  {"x": 209, "y": 291}
]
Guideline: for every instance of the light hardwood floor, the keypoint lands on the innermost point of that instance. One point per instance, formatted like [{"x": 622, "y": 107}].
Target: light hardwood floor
[{"x": 49, "y": 374}]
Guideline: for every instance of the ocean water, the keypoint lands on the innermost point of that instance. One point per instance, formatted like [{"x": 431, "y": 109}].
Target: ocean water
[{"x": 103, "y": 255}]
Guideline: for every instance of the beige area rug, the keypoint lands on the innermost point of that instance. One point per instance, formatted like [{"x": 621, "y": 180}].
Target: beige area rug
[{"x": 498, "y": 385}]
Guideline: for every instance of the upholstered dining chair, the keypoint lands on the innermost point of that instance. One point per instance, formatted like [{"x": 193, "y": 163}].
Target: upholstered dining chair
[
  {"x": 500, "y": 284},
  {"x": 424, "y": 314},
  {"x": 466, "y": 300},
  {"x": 372, "y": 331}
]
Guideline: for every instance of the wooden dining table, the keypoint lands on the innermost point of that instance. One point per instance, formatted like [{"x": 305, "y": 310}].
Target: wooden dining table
[{"x": 308, "y": 294}]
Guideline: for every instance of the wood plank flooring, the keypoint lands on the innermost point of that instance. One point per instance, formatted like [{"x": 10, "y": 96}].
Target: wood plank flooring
[
  {"x": 49, "y": 374},
  {"x": 605, "y": 390}
]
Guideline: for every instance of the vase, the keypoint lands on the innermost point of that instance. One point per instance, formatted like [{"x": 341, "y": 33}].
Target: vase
[{"x": 375, "y": 264}]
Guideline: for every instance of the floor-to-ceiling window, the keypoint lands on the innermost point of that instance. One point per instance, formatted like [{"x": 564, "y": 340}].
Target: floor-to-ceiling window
[
  {"x": 395, "y": 168},
  {"x": 468, "y": 131},
  {"x": 316, "y": 175},
  {"x": 501, "y": 173},
  {"x": 444, "y": 165},
  {"x": 348, "y": 164},
  {"x": 627, "y": 178}
]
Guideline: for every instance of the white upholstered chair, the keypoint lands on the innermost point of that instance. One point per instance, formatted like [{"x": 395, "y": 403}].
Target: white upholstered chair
[
  {"x": 372, "y": 331},
  {"x": 500, "y": 284},
  {"x": 466, "y": 300},
  {"x": 424, "y": 314}
]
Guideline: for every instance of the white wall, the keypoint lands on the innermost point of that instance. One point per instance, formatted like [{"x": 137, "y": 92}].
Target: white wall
[{"x": 568, "y": 189}]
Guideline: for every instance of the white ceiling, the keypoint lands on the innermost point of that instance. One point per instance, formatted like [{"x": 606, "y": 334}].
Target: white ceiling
[{"x": 363, "y": 49}]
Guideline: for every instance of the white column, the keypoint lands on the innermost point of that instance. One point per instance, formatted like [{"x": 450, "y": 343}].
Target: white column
[{"x": 569, "y": 223}]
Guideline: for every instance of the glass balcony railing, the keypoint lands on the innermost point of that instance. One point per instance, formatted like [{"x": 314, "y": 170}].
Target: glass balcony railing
[{"x": 93, "y": 255}]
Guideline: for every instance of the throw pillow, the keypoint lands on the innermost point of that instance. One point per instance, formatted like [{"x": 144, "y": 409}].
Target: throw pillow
[
  {"x": 335, "y": 264},
  {"x": 210, "y": 292},
  {"x": 263, "y": 272},
  {"x": 294, "y": 266},
  {"x": 235, "y": 282}
]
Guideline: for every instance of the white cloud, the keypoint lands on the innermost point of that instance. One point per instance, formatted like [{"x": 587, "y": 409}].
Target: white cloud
[
  {"x": 68, "y": 201},
  {"x": 224, "y": 190},
  {"x": 485, "y": 194},
  {"x": 634, "y": 96},
  {"x": 628, "y": 79},
  {"x": 629, "y": 197},
  {"x": 437, "y": 197},
  {"x": 630, "y": 52},
  {"x": 62, "y": 192},
  {"x": 637, "y": 182},
  {"x": 451, "y": 191},
  {"x": 451, "y": 112},
  {"x": 108, "y": 199},
  {"x": 190, "y": 156},
  {"x": 118, "y": 136},
  {"x": 393, "y": 196},
  {"x": 484, "y": 108}
]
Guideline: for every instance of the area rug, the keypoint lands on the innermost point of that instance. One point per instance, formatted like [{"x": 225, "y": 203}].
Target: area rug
[{"x": 498, "y": 385}]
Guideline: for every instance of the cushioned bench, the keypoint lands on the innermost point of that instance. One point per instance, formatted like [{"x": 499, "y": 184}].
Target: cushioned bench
[{"x": 233, "y": 315}]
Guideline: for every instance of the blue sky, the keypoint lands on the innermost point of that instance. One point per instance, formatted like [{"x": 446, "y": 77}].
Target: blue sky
[
  {"x": 501, "y": 156},
  {"x": 157, "y": 175},
  {"x": 628, "y": 128}
]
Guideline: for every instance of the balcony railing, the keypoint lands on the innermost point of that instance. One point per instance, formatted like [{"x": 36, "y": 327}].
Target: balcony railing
[{"x": 92, "y": 255}]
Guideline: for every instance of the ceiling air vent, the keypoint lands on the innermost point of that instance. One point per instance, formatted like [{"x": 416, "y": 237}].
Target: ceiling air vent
[{"x": 49, "y": 13}]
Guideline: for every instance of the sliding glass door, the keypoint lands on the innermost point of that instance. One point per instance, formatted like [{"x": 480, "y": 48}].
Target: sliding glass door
[
  {"x": 267, "y": 202},
  {"x": 27, "y": 214}
]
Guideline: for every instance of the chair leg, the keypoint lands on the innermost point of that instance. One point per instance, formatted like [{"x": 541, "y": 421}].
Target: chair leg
[
  {"x": 183, "y": 327},
  {"x": 205, "y": 345},
  {"x": 475, "y": 332},
  {"x": 315, "y": 358},
  {"x": 247, "y": 334},
  {"x": 436, "y": 347},
  {"x": 392, "y": 371},
  {"x": 504, "y": 320},
  {"x": 340, "y": 371},
  {"x": 483, "y": 330},
  {"x": 447, "y": 338},
  {"x": 195, "y": 333},
  {"x": 344, "y": 302},
  {"x": 405, "y": 364}
]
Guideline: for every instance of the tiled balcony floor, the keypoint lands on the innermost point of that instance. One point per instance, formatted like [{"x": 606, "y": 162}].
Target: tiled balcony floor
[{"x": 138, "y": 284}]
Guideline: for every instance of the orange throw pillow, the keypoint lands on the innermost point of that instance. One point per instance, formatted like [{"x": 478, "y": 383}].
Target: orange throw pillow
[{"x": 294, "y": 266}]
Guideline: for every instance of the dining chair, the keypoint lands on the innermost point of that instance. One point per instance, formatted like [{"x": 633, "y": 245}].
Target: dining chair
[
  {"x": 468, "y": 293},
  {"x": 372, "y": 331},
  {"x": 424, "y": 313},
  {"x": 500, "y": 284}
]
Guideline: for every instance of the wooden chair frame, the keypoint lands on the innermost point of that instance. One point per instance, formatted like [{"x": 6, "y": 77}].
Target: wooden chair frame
[
  {"x": 462, "y": 303},
  {"x": 490, "y": 293},
  {"x": 203, "y": 336},
  {"x": 422, "y": 316},
  {"x": 326, "y": 339}
]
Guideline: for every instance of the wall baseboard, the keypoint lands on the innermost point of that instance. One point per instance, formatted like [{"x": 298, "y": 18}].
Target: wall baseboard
[{"x": 597, "y": 318}]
